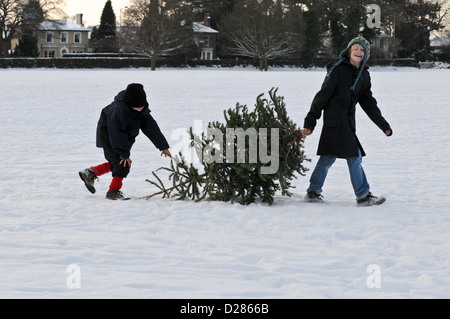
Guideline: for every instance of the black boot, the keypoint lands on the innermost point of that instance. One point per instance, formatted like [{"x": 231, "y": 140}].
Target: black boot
[
  {"x": 313, "y": 197},
  {"x": 370, "y": 200},
  {"x": 88, "y": 177},
  {"x": 115, "y": 195}
]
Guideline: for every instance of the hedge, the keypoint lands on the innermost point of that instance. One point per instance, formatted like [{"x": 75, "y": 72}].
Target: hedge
[
  {"x": 74, "y": 63},
  {"x": 142, "y": 62}
]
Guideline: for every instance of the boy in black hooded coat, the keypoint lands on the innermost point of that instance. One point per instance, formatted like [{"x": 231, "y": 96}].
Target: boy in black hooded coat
[
  {"x": 346, "y": 84},
  {"x": 117, "y": 128}
]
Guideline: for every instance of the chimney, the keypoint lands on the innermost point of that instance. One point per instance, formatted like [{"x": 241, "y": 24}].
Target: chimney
[
  {"x": 79, "y": 19},
  {"x": 206, "y": 21}
]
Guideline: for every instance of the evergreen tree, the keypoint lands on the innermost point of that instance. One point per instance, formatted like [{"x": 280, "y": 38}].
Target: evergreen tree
[
  {"x": 104, "y": 39},
  {"x": 312, "y": 35},
  {"x": 414, "y": 24},
  {"x": 237, "y": 169},
  {"x": 33, "y": 14},
  {"x": 27, "y": 47},
  {"x": 216, "y": 9},
  {"x": 94, "y": 33},
  {"x": 107, "y": 28}
]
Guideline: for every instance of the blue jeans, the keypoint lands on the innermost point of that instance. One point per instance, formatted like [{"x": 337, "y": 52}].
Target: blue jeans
[{"x": 357, "y": 175}]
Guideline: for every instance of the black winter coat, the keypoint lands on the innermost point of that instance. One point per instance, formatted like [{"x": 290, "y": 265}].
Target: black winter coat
[
  {"x": 119, "y": 125},
  {"x": 338, "y": 102}
]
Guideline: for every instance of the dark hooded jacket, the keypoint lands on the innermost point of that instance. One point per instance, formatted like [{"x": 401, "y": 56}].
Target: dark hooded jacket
[
  {"x": 343, "y": 87},
  {"x": 119, "y": 125}
]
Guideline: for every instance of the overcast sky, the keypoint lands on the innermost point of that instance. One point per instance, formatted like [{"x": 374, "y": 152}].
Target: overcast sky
[{"x": 92, "y": 9}]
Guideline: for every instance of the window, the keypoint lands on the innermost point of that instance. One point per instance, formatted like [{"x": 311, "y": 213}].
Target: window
[
  {"x": 77, "y": 37},
  {"x": 49, "y": 54},
  {"x": 207, "y": 54},
  {"x": 64, "y": 37},
  {"x": 206, "y": 40},
  {"x": 49, "y": 37}
]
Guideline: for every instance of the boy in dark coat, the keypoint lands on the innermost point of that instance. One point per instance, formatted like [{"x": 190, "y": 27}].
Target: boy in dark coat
[
  {"x": 346, "y": 84},
  {"x": 117, "y": 128}
]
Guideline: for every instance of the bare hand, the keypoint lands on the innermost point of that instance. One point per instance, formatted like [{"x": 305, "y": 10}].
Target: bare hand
[
  {"x": 306, "y": 131},
  {"x": 125, "y": 162},
  {"x": 388, "y": 133},
  {"x": 166, "y": 153}
]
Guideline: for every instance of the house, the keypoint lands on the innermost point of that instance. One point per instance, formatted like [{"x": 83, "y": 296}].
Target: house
[
  {"x": 439, "y": 43},
  {"x": 384, "y": 46},
  {"x": 205, "y": 38},
  {"x": 57, "y": 37}
]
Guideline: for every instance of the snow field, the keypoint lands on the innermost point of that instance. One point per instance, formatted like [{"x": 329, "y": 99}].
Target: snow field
[{"x": 163, "y": 248}]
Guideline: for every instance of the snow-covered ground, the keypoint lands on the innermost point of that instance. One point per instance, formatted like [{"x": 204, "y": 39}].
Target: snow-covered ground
[{"x": 59, "y": 241}]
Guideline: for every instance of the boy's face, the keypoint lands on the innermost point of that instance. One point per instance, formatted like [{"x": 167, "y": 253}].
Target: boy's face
[
  {"x": 357, "y": 54},
  {"x": 139, "y": 109}
]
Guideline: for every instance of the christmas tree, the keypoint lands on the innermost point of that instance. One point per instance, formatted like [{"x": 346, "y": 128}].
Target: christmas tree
[{"x": 253, "y": 154}]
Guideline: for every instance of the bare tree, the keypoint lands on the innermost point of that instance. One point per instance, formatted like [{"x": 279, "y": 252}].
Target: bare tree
[
  {"x": 10, "y": 20},
  {"x": 157, "y": 28},
  {"x": 259, "y": 29},
  {"x": 15, "y": 13}
]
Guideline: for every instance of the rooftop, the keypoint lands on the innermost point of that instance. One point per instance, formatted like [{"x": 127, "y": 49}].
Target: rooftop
[
  {"x": 201, "y": 28},
  {"x": 62, "y": 25}
]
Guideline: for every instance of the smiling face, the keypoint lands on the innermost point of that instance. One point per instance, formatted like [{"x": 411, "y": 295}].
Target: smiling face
[{"x": 356, "y": 55}]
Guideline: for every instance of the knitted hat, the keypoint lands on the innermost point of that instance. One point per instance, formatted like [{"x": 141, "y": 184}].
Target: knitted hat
[
  {"x": 365, "y": 44},
  {"x": 358, "y": 40},
  {"x": 135, "y": 95}
]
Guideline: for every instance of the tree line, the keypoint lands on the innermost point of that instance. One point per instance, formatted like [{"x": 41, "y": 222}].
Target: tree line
[{"x": 256, "y": 29}]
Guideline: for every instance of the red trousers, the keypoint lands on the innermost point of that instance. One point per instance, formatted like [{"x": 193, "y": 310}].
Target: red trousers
[{"x": 104, "y": 168}]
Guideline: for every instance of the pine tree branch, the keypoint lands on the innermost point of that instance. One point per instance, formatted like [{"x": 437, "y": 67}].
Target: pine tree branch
[{"x": 298, "y": 135}]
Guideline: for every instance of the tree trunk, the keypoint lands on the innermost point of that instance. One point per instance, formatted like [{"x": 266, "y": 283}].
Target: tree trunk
[
  {"x": 153, "y": 62},
  {"x": 3, "y": 48},
  {"x": 263, "y": 65}
]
